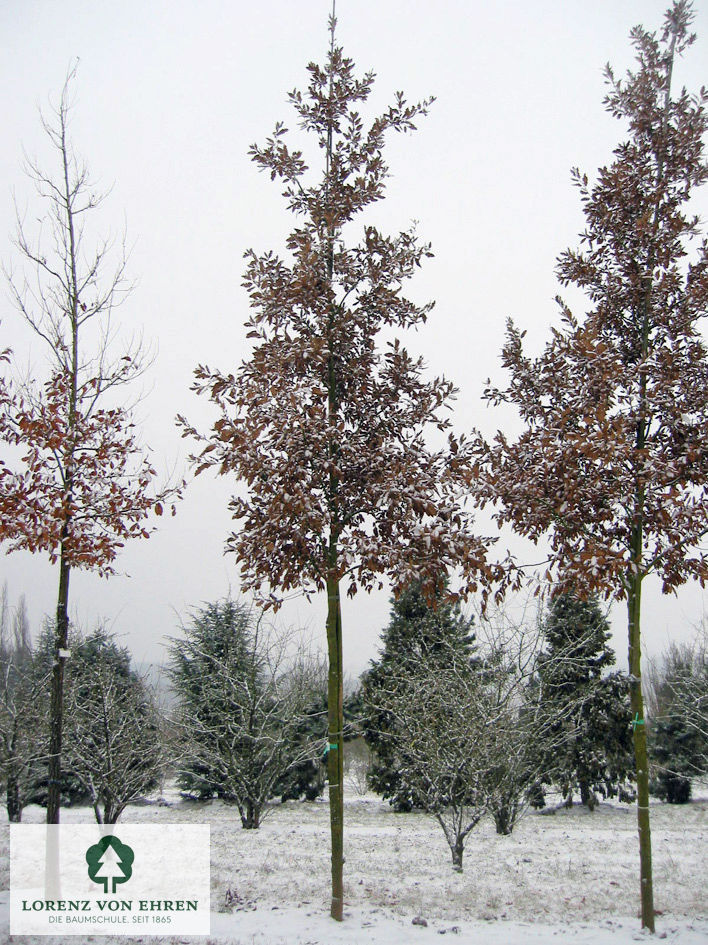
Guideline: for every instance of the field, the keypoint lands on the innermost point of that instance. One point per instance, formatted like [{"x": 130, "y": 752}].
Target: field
[{"x": 564, "y": 874}]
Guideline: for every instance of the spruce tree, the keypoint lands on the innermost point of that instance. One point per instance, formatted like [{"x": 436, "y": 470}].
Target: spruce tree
[{"x": 591, "y": 733}]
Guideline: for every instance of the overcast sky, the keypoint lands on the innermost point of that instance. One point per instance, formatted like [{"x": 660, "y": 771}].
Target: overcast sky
[{"x": 169, "y": 96}]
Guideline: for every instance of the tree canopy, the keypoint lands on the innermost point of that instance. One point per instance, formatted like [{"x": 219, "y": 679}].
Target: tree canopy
[{"x": 612, "y": 466}]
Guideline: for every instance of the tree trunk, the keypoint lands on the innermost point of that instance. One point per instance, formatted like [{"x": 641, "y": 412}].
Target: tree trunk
[
  {"x": 57, "y": 693},
  {"x": 640, "y": 751},
  {"x": 112, "y": 813},
  {"x": 587, "y": 796},
  {"x": 457, "y": 849},
  {"x": 504, "y": 816},
  {"x": 14, "y": 807},
  {"x": 335, "y": 754},
  {"x": 250, "y": 816}
]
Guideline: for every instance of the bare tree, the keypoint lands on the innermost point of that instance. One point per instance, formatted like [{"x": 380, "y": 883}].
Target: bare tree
[
  {"x": 20, "y": 735},
  {"x": 676, "y": 686},
  {"x": 114, "y": 743},
  {"x": 453, "y": 733},
  {"x": 471, "y": 733},
  {"x": 81, "y": 484},
  {"x": 440, "y": 718},
  {"x": 518, "y": 733},
  {"x": 244, "y": 693}
]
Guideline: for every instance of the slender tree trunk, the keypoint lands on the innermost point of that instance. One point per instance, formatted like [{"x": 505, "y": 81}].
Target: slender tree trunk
[
  {"x": 14, "y": 807},
  {"x": 640, "y": 751},
  {"x": 457, "y": 850},
  {"x": 335, "y": 754},
  {"x": 61, "y": 642},
  {"x": 62, "y": 623}
]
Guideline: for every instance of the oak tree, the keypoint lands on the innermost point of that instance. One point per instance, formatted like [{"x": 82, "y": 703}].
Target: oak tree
[
  {"x": 612, "y": 462},
  {"x": 325, "y": 423},
  {"x": 76, "y": 484}
]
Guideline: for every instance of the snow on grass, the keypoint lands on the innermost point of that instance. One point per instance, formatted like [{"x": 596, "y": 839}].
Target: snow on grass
[{"x": 568, "y": 874}]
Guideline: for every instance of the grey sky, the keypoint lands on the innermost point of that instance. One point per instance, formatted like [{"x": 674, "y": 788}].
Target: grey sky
[{"x": 168, "y": 99}]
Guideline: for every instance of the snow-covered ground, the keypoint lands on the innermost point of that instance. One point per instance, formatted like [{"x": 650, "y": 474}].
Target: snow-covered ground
[{"x": 563, "y": 875}]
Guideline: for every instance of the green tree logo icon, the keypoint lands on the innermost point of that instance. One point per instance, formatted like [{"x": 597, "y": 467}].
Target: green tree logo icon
[{"x": 110, "y": 861}]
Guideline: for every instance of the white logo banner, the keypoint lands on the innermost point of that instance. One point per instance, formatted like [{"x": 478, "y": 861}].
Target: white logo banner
[{"x": 118, "y": 879}]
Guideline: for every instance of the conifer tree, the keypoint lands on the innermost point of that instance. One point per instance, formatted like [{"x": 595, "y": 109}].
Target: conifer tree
[
  {"x": 243, "y": 704},
  {"x": 592, "y": 736}
]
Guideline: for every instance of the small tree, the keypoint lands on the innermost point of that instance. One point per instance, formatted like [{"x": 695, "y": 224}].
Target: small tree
[
  {"x": 419, "y": 632},
  {"x": 325, "y": 428},
  {"x": 678, "y": 723},
  {"x": 453, "y": 726},
  {"x": 592, "y": 706},
  {"x": 81, "y": 485},
  {"x": 20, "y": 735},
  {"x": 612, "y": 463},
  {"x": 113, "y": 731},
  {"x": 243, "y": 704},
  {"x": 520, "y": 732},
  {"x": 436, "y": 717}
]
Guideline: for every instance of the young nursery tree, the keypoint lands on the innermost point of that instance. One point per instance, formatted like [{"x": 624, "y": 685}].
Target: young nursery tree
[
  {"x": 439, "y": 717},
  {"x": 325, "y": 427},
  {"x": 612, "y": 464},
  {"x": 454, "y": 723},
  {"x": 458, "y": 726},
  {"x": 78, "y": 485}
]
